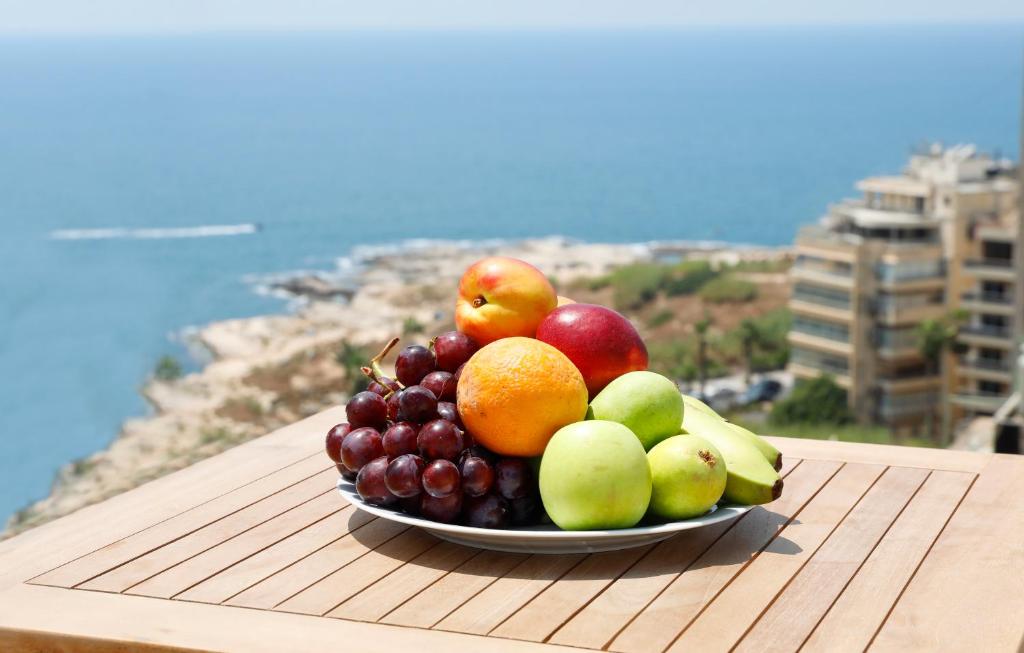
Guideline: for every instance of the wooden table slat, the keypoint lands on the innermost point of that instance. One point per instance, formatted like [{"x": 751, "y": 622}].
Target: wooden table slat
[
  {"x": 149, "y": 564},
  {"x": 507, "y": 594},
  {"x": 305, "y": 572},
  {"x": 968, "y": 593},
  {"x": 202, "y": 566},
  {"x": 657, "y": 624},
  {"x": 280, "y": 555},
  {"x": 404, "y": 583},
  {"x": 853, "y": 619},
  {"x": 733, "y": 609},
  {"x": 436, "y": 602},
  {"x": 563, "y": 598},
  {"x": 800, "y": 606},
  {"x": 160, "y": 534},
  {"x": 322, "y": 597},
  {"x": 598, "y": 622},
  {"x": 889, "y": 548}
]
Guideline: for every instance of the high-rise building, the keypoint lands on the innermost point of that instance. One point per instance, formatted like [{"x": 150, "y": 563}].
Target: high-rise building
[{"x": 939, "y": 241}]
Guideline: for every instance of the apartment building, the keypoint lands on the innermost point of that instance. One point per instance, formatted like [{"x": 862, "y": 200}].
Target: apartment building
[{"x": 941, "y": 237}]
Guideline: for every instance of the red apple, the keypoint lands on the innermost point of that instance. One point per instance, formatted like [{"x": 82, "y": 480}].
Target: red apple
[
  {"x": 501, "y": 297},
  {"x": 600, "y": 342}
]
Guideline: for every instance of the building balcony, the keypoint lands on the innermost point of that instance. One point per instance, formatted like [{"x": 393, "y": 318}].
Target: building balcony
[
  {"x": 819, "y": 307},
  {"x": 832, "y": 278},
  {"x": 983, "y": 302},
  {"x": 896, "y": 412},
  {"x": 986, "y": 369},
  {"x": 820, "y": 343},
  {"x": 982, "y": 402},
  {"x": 998, "y": 269},
  {"x": 805, "y": 370},
  {"x": 896, "y": 314},
  {"x": 898, "y": 385},
  {"x": 986, "y": 336}
]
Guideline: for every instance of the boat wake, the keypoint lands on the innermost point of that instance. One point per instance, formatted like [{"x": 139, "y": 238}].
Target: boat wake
[{"x": 156, "y": 233}]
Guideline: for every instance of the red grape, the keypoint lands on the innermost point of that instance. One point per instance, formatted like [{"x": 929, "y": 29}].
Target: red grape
[
  {"x": 334, "y": 438},
  {"x": 525, "y": 510},
  {"x": 367, "y": 409},
  {"x": 384, "y": 387},
  {"x": 404, "y": 474},
  {"x": 393, "y": 407},
  {"x": 477, "y": 476},
  {"x": 417, "y": 404},
  {"x": 488, "y": 511},
  {"x": 513, "y": 478},
  {"x": 360, "y": 447},
  {"x": 441, "y": 384},
  {"x": 400, "y": 439},
  {"x": 447, "y": 410},
  {"x": 479, "y": 452},
  {"x": 346, "y": 473},
  {"x": 452, "y": 349},
  {"x": 441, "y": 478},
  {"x": 442, "y": 509},
  {"x": 439, "y": 439},
  {"x": 371, "y": 484},
  {"x": 414, "y": 362}
]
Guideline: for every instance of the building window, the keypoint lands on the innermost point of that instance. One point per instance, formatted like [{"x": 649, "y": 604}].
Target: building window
[{"x": 821, "y": 329}]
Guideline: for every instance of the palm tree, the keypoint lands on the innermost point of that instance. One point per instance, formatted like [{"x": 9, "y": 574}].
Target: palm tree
[
  {"x": 701, "y": 328},
  {"x": 750, "y": 337},
  {"x": 935, "y": 337}
]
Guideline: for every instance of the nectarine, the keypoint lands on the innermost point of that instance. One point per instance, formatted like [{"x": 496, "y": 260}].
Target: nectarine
[{"x": 501, "y": 297}]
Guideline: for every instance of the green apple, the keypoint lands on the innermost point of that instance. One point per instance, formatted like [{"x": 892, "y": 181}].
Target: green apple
[
  {"x": 688, "y": 477},
  {"x": 646, "y": 403},
  {"x": 594, "y": 475}
]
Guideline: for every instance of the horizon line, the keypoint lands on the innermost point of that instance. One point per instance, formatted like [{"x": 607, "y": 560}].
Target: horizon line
[{"x": 1004, "y": 24}]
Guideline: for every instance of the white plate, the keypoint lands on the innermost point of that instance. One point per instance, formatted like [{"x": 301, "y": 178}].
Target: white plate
[{"x": 546, "y": 538}]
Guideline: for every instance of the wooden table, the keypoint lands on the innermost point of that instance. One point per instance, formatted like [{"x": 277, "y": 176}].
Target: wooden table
[{"x": 875, "y": 547}]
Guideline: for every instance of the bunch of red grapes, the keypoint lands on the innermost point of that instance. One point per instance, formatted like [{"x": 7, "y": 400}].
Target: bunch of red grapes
[{"x": 405, "y": 446}]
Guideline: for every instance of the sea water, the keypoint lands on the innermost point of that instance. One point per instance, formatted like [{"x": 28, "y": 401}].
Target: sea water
[{"x": 145, "y": 180}]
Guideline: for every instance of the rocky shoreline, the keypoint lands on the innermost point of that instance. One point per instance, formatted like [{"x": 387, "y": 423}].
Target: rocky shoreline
[{"x": 269, "y": 371}]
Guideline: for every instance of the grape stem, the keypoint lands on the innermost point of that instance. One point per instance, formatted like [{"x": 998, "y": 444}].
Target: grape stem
[{"x": 374, "y": 371}]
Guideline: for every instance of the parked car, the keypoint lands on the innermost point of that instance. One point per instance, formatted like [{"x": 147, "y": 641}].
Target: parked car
[
  {"x": 723, "y": 399},
  {"x": 763, "y": 390}
]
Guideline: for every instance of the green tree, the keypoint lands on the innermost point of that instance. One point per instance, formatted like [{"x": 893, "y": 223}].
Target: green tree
[
  {"x": 751, "y": 338},
  {"x": 412, "y": 326},
  {"x": 167, "y": 369},
  {"x": 701, "y": 327},
  {"x": 934, "y": 338},
  {"x": 813, "y": 401},
  {"x": 352, "y": 359}
]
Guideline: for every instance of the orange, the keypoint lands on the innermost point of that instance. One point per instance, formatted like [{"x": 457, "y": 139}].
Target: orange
[{"x": 516, "y": 392}]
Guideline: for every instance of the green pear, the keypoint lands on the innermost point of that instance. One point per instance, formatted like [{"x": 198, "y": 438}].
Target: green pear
[
  {"x": 594, "y": 475},
  {"x": 751, "y": 479},
  {"x": 688, "y": 476},
  {"x": 646, "y": 403},
  {"x": 771, "y": 454}
]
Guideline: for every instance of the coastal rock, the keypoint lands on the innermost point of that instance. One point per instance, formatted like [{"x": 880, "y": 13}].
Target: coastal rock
[{"x": 268, "y": 371}]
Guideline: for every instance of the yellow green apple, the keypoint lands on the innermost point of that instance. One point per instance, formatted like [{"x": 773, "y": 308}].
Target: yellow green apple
[{"x": 594, "y": 475}]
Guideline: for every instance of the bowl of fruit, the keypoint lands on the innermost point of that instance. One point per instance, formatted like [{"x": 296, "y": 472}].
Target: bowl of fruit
[{"x": 536, "y": 427}]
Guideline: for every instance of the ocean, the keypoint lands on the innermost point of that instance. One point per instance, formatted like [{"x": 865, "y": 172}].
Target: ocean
[{"x": 146, "y": 182}]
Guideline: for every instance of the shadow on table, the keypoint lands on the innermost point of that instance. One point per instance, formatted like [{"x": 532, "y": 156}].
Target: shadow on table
[{"x": 740, "y": 542}]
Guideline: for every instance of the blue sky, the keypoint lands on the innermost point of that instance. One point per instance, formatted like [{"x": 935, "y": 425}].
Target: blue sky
[{"x": 139, "y": 16}]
